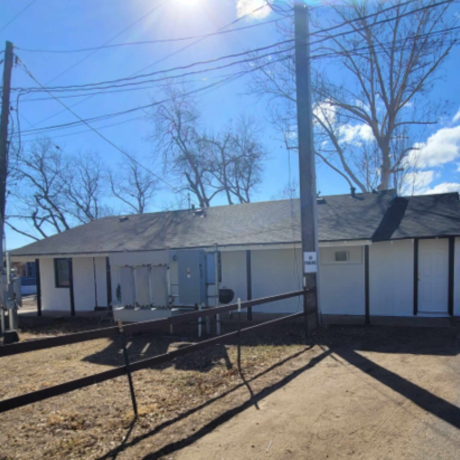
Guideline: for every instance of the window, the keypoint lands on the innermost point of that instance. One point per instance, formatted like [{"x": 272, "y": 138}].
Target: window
[
  {"x": 62, "y": 272},
  {"x": 342, "y": 256}
]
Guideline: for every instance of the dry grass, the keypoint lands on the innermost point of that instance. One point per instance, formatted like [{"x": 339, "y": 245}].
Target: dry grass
[
  {"x": 174, "y": 399},
  {"x": 178, "y": 402}
]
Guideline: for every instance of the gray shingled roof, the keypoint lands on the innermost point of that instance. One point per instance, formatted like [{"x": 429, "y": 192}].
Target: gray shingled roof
[
  {"x": 421, "y": 216},
  {"x": 341, "y": 218}
]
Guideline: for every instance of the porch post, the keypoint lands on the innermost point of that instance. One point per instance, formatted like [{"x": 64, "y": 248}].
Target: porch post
[
  {"x": 249, "y": 282},
  {"x": 451, "y": 274},
  {"x": 415, "y": 276},
  {"x": 71, "y": 291},
  {"x": 366, "y": 285},
  {"x": 39, "y": 287}
]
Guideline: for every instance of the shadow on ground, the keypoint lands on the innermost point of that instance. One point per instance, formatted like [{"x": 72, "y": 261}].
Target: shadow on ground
[{"x": 344, "y": 344}]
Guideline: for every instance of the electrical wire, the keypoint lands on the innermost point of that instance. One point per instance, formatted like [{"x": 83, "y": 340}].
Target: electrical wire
[
  {"x": 173, "y": 188},
  {"x": 383, "y": 21},
  {"x": 17, "y": 16},
  {"x": 161, "y": 60},
  {"x": 150, "y": 42},
  {"x": 199, "y": 40},
  {"x": 356, "y": 51},
  {"x": 107, "y": 42},
  {"x": 142, "y": 88},
  {"x": 109, "y": 83},
  {"x": 124, "y": 112},
  {"x": 335, "y": 53}
]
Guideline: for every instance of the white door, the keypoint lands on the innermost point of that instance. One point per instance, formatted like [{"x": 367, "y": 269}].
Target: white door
[{"x": 433, "y": 276}]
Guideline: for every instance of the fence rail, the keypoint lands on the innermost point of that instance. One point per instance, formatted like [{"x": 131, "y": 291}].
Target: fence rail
[
  {"x": 43, "y": 344},
  {"x": 40, "y": 395}
]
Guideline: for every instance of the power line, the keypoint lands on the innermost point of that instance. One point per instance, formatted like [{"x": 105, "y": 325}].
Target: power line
[
  {"x": 174, "y": 189},
  {"x": 317, "y": 56},
  {"x": 161, "y": 60},
  {"x": 94, "y": 86},
  {"x": 107, "y": 82},
  {"x": 343, "y": 52},
  {"x": 107, "y": 42},
  {"x": 336, "y": 35},
  {"x": 150, "y": 42},
  {"x": 199, "y": 40},
  {"x": 333, "y": 54},
  {"x": 19, "y": 14},
  {"x": 356, "y": 51},
  {"x": 383, "y": 21},
  {"x": 228, "y": 79},
  {"x": 122, "y": 90}
]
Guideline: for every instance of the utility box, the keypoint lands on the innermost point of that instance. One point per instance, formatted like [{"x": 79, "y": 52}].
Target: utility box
[{"x": 192, "y": 276}]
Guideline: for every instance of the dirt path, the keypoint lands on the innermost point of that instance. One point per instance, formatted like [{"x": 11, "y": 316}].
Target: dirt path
[
  {"x": 352, "y": 393},
  {"x": 359, "y": 405}
]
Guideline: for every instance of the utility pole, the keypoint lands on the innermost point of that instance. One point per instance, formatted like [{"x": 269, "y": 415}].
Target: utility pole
[
  {"x": 307, "y": 182},
  {"x": 7, "y": 69}
]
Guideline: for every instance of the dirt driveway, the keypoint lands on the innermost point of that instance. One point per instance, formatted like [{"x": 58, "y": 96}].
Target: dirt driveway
[
  {"x": 351, "y": 393},
  {"x": 400, "y": 402}
]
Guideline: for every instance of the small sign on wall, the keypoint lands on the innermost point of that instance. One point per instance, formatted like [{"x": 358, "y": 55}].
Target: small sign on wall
[{"x": 310, "y": 264}]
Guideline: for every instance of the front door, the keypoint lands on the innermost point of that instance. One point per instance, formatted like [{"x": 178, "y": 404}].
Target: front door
[{"x": 433, "y": 276}]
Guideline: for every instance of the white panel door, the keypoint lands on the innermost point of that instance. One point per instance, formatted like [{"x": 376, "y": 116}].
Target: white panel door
[{"x": 433, "y": 276}]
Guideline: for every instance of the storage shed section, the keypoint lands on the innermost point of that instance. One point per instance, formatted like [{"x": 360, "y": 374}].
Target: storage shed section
[
  {"x": 53, "y": 298},
  {"x": 342, "y": 280},
  {"x": 391, "y": 278},
  {"x": 275, "y": 271}
]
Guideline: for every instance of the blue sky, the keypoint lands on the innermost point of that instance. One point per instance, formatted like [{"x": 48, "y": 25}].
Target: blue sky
[{"x": 71, "y": 24}]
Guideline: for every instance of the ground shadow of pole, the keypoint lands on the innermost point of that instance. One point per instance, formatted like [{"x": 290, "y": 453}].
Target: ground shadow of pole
[
  {"x": 124, "y": 445},
  {"x": 419, "y": 396},
  {"x": 226, "y": 416}
]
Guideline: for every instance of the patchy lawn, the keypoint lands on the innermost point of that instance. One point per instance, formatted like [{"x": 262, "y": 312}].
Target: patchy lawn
[{"x": 182, "y": 402}]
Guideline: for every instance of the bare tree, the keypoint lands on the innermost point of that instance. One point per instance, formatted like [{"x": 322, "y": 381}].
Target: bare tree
[
  {"x": 235, "y": 157},
  {"x": 132, "y": 185},
  {"x": 371, "y": 99},
  {"x": 51, "y": 191},
  {"x": 207, "y": 164}
]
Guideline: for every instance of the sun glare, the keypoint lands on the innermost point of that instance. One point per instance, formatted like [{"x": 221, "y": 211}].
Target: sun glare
[{"x": 189, "y": 2}]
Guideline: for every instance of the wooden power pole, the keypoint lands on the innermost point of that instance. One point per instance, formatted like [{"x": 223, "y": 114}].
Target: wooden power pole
[
  {"x": 7, "y": 69},
  {"x": 307, "y": 182}
]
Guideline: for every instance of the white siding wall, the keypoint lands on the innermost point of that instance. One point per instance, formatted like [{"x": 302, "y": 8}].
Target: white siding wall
[
  {"x": 391, "y": 278},
  {"x": 234, "y": 273},
  {"x": 53, "y": 298},
  {"x": 274, "y": 272},
  {"x": 83, "y": 283},
  {"x": 341, "y": 284},
  {"x": 101, "y": 281},
  {"x": 457, "y": 278}
]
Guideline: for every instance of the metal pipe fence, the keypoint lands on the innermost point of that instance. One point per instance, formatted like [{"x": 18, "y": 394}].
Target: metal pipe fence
[{"x": 40, "y": 395}]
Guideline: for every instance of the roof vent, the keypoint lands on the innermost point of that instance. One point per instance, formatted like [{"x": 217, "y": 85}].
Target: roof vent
[
  {"x": 200, "y": 212},
  {"x": 353, "y": 191},
  {"x": 123, "y": 219}
]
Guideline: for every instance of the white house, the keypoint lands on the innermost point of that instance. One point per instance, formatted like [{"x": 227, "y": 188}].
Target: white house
[{"x": 379, "y": 256}]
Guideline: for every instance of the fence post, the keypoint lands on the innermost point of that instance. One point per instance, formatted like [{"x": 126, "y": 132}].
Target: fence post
[
  {"x": 128, "y": 371},
  {"x": 200, "y": 322},
  {"x": 239, "y": 335}
]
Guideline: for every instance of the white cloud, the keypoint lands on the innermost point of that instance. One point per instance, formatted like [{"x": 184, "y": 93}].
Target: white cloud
[
  {"x": 356, "y": 133},
  {"x": 325, "y": 111},
  {"x": 440, "y": 148},
  {"x": 244, "y": 7},
  {"x": 417, "y": 182},
  {"x": 445, "y": 187},
  {"x": 456, "y": 117}
]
